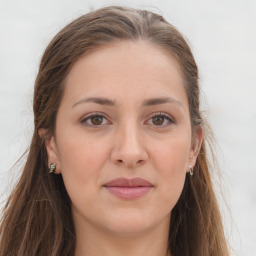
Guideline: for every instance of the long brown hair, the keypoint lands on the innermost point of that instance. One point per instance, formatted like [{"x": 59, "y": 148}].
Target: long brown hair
[{"x": 37, "y": 218}]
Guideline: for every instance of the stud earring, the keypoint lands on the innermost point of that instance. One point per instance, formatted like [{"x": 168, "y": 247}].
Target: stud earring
[
  {"x": 52, "y": 168},
  {"x": 191, "y": 170}
]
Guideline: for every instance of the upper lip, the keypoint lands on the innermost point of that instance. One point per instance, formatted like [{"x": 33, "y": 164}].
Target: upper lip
[{"x": 124, "y": 182}]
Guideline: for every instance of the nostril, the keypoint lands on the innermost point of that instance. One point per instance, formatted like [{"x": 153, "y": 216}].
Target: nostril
[
  {"x": 120, "y": 161},
  {"x": 140, "y": 162}
]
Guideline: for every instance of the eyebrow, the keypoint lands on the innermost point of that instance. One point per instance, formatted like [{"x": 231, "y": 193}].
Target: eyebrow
[
  {"x": 147, "y": 102},
  {"x": 98, "y": 100},
  {"x": 157, "y": 101}
]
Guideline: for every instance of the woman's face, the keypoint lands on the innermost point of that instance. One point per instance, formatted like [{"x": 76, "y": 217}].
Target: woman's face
[{"x": 123, "y": 140}]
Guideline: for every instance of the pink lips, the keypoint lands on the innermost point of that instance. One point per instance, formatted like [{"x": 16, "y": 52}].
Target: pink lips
[{"x": 128, "y": 188}]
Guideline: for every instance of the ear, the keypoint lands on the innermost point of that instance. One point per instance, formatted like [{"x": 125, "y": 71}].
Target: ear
[
  {"x": 51, "y": 148},
  {"x": 195, "y": 146}
]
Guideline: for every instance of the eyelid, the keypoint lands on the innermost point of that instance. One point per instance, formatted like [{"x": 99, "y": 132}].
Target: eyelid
[
  {"x": 93, "y": 114},
  {"x": 167, "y": 116}
]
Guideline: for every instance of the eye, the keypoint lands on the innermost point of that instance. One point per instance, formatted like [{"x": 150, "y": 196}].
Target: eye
[
  {"x": 94, "y": 119},
  {"x": 161, "y": 119}
]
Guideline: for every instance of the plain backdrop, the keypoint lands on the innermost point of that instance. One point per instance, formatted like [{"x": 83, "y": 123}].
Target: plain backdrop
[{"x": 222, "y": 36}]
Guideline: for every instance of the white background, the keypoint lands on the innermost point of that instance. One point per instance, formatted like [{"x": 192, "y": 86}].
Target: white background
[{"x": 222, "y": 35}]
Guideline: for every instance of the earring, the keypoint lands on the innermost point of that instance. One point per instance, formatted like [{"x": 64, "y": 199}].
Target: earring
[
  {"x": 191, "y": 170},
  {"x": 52, "y": 168}
]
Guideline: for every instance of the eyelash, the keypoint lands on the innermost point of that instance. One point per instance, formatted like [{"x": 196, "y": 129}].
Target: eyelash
[
  {"x": 159, "y": 114},
  {"x": 89, "y": 116},
  {"x": 166, "y": 117}
]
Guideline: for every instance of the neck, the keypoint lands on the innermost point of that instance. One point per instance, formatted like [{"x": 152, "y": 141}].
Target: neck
[{"x": 92, "y": 241}]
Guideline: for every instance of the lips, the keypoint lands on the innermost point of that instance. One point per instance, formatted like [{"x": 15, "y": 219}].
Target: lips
[{"x": 128, "y": 188}]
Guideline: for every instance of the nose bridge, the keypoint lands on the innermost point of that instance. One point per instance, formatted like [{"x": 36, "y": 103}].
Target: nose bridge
[
  {"x": 130, "y": 137},
  {"x": 129, "y": 148}
]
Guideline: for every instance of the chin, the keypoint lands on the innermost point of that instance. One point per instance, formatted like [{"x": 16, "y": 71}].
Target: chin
[{"x": 130, "y": 223}]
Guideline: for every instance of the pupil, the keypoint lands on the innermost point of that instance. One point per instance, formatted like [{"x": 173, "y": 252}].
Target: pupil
[
  {"x": 158, "y": 120},
  {"x": 96, "y": 120}
]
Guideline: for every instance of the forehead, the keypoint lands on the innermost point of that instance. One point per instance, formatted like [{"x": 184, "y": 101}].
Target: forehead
[{"x": 127, "y": 70}]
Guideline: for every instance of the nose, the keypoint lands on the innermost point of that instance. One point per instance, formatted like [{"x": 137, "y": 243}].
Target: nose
[{"x": 129, "y": 150}]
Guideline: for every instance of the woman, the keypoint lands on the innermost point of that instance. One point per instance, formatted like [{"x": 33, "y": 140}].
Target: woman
[{"x": 117, "y": 163}]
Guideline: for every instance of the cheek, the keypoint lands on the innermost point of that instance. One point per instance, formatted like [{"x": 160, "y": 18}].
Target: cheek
[
  {"x": 171, "y": 155},
  {"x": 81, "y": 160},
  {"x": 170, "y": 159}
]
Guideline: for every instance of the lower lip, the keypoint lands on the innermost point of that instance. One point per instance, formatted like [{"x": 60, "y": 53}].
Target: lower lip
[{"x": 129, "y": 192}]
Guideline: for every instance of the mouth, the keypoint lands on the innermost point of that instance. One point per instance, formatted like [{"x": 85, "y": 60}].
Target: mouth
[{"x": 129, "y": 188}]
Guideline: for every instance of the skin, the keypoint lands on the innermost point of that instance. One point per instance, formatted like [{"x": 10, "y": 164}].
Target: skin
[{"x": 125, "y": 141}]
